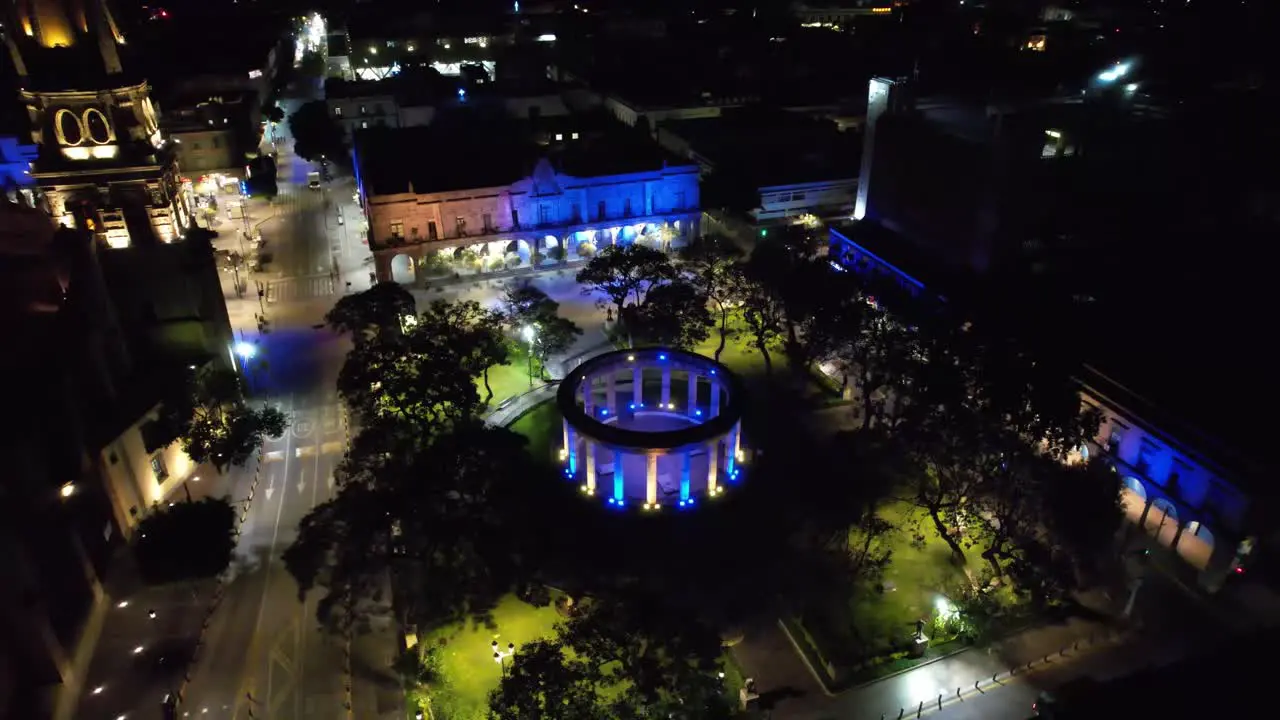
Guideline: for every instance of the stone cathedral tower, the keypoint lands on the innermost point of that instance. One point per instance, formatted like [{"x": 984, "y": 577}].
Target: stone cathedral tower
[{"x": 103, "y": 164}]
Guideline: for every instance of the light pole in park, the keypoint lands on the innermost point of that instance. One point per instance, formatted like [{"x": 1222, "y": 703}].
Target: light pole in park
[
  {"x": 530, "y": 334},
  {"x": 500, "y": 655}
]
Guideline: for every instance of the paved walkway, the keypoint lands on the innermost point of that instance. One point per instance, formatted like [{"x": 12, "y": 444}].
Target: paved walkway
[{"x": 511, "y": 409}]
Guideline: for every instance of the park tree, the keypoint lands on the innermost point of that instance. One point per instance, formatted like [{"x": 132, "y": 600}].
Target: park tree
[
  {"x": 625, "y": 272},
  {"x": 315, "y": 133},
  {"x": 273, "y": 112},
  {"x": 547, "y": 681},
  {"x": 212, "y": 418},
  {"x": 418, "y": 379},
  {"x": 787, "y": 267},
  {"x": 185, "y": 541},
  {"x": 471, "y": 331},
  {"x": 666, "y": 662},
  {"x": 525, "y": 305},
  {"x": 674, "y": 314},
  {"x": 762, "y": 313},
  {"x": 436, "y": 513},
  {"x": 708, "y": 263},
  {"x": 1081, "y": 509},
  {"x": 382, "y": 308}
]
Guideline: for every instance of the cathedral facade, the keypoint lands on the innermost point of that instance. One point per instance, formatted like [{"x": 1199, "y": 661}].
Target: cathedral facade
[{"x": 103, "y": 164}]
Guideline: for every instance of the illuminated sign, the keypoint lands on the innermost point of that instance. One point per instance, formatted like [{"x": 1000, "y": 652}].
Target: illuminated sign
[{"x": 881, "y": 10}]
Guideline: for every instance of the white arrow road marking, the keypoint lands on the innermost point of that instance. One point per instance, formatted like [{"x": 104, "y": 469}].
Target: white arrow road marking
[
  {"x": 271, "y": 484},
  {"x": 302, "y": 479},
  {"x": 330, "y": 481}
]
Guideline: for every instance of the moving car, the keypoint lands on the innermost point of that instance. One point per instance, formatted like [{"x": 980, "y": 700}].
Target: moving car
[{"x": 313, "y": 180}]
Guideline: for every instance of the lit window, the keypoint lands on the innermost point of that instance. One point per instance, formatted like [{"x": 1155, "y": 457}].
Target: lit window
[
  {"x": 559, "y": 137},
  {"x": 337, "y": 111},
  {"x": 158, "y": 468},
  {"x": 397, "y": 228},
  {"x": 364, "y": 124},
  {"x": 574, "y": 136}
]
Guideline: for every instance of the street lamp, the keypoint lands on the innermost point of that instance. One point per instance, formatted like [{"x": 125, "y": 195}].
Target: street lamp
[
  {"x": 499, "y": 655},
  {"x": 530, "y": 334},
  {"x": 246, "y": 350},
  {"x": 67, "y": 490}
]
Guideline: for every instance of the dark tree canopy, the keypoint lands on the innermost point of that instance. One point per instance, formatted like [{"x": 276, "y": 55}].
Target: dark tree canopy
[
  {"x": 214, "y": 421},
  {"x": 315, "y": 133},
  {"x": 382, "y": 308},
  {"x": 188, "y": 541},
  {"x": 674, "y": 314},
  {"x": 708, "y": 262},
  {"x": 625, "y": 272}
]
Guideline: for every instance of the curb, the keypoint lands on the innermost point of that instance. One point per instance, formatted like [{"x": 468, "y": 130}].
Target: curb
[
  {"x": 805, "y": 659},
  {"x": 904, "y": 671},
  {"x": 981, "y": 685}
]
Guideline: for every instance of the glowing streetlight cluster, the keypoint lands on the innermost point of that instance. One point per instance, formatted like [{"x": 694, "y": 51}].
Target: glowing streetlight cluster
[{"x": 310, "y": 38}]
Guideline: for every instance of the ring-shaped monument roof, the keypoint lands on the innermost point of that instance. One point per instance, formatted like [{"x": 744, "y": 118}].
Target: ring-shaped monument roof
[{"x": 651, "y": 357}]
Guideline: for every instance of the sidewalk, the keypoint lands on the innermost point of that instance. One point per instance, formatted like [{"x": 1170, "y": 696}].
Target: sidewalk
[{"x": 782, "y": 686}]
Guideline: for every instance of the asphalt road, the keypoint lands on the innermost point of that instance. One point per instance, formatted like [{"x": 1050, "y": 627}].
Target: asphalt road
[{"x": 264, "y": 654}]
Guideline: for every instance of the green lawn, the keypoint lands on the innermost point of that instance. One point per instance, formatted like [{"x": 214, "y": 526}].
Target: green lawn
[
  {"x": 738, "y": 356},
  {"x": 466, "y": 655},
  {"x": 543, "y": 428},
  {"x": 916, "y": 578},
  {"x": 508, "y": 379}
]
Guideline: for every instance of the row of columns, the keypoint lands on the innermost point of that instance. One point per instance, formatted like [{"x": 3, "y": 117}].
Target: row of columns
[
  {"x": 637, "y": 392},
  {"x": 581, "y": 450}
]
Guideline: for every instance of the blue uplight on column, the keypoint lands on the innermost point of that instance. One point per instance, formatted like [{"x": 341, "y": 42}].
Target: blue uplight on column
[
  {"x": 617, "y": 477},
  {"x": 684, "y": 478},
  {"x": 573, "y": 457}
]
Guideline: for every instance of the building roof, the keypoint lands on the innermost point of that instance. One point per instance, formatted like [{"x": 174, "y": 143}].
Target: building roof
[
  {"x": 464, "y": 150},
  {"x": 786, "y": 148}
]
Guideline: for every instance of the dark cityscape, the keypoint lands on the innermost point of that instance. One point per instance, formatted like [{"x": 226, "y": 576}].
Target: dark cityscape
[{"x": 609, "y": 360}]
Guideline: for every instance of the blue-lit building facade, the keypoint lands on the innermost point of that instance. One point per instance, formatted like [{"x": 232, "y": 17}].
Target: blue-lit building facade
[
  {"x": 1183, "y": 491},
  {"x": 545, "y": 219}
]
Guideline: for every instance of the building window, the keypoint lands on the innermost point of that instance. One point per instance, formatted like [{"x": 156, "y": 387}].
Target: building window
[
  {"x": 1146, "y": 457},
  {"x": 364, "y": 124},
  {"x": 1114, "y": 440},
  {"x": 195, "y": 146},
  {"x": 217, "y": 143},
  {"x": 680, "y": 200},
  {"x": 397, "y": 228},
  {"x": 461, "y": 224},
  {"x": 157, "y": 467},
  {"x": 487, "y": 220},
  {"x": 559, "y": 137},
  {"x": 575, "y": 212},
  {"x": 626, "y": 207},
  {"x": 515, "y": 218},
  {"x": 431, "y": 230},
  {"x": 337, "y": 111},
  {"x": 797, "y": 196},
  {"x": 574, "y": 136},
  {"x": 601, "y": 210},
  {"x": 544, "y": 215},
  {"x": 362, "y": 110}
]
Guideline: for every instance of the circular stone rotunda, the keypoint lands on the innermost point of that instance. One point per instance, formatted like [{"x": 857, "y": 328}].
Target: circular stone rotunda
[{"x": 652, "y": 427}]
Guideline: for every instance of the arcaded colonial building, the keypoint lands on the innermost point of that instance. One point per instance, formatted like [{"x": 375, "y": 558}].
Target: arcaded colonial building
[
  {"x": 102, "y": 165},
  {"x": 501, "y": 197}
]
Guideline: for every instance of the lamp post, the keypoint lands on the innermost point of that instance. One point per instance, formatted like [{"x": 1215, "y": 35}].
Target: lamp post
[
  {"x": 500, "y": 655},
  {"x": 530, "y": 334}
]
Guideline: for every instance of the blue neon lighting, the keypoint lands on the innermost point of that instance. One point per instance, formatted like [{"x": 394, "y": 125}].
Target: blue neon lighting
[
  {"x": 604, "y": 411},
  {"x": 617, "y": 477},
  {"x": 631, "y": 405},
  {"x": 713, "y": 371},
  {"x": 697, "y": 412},
  {"x": 662, "y": 356}
]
